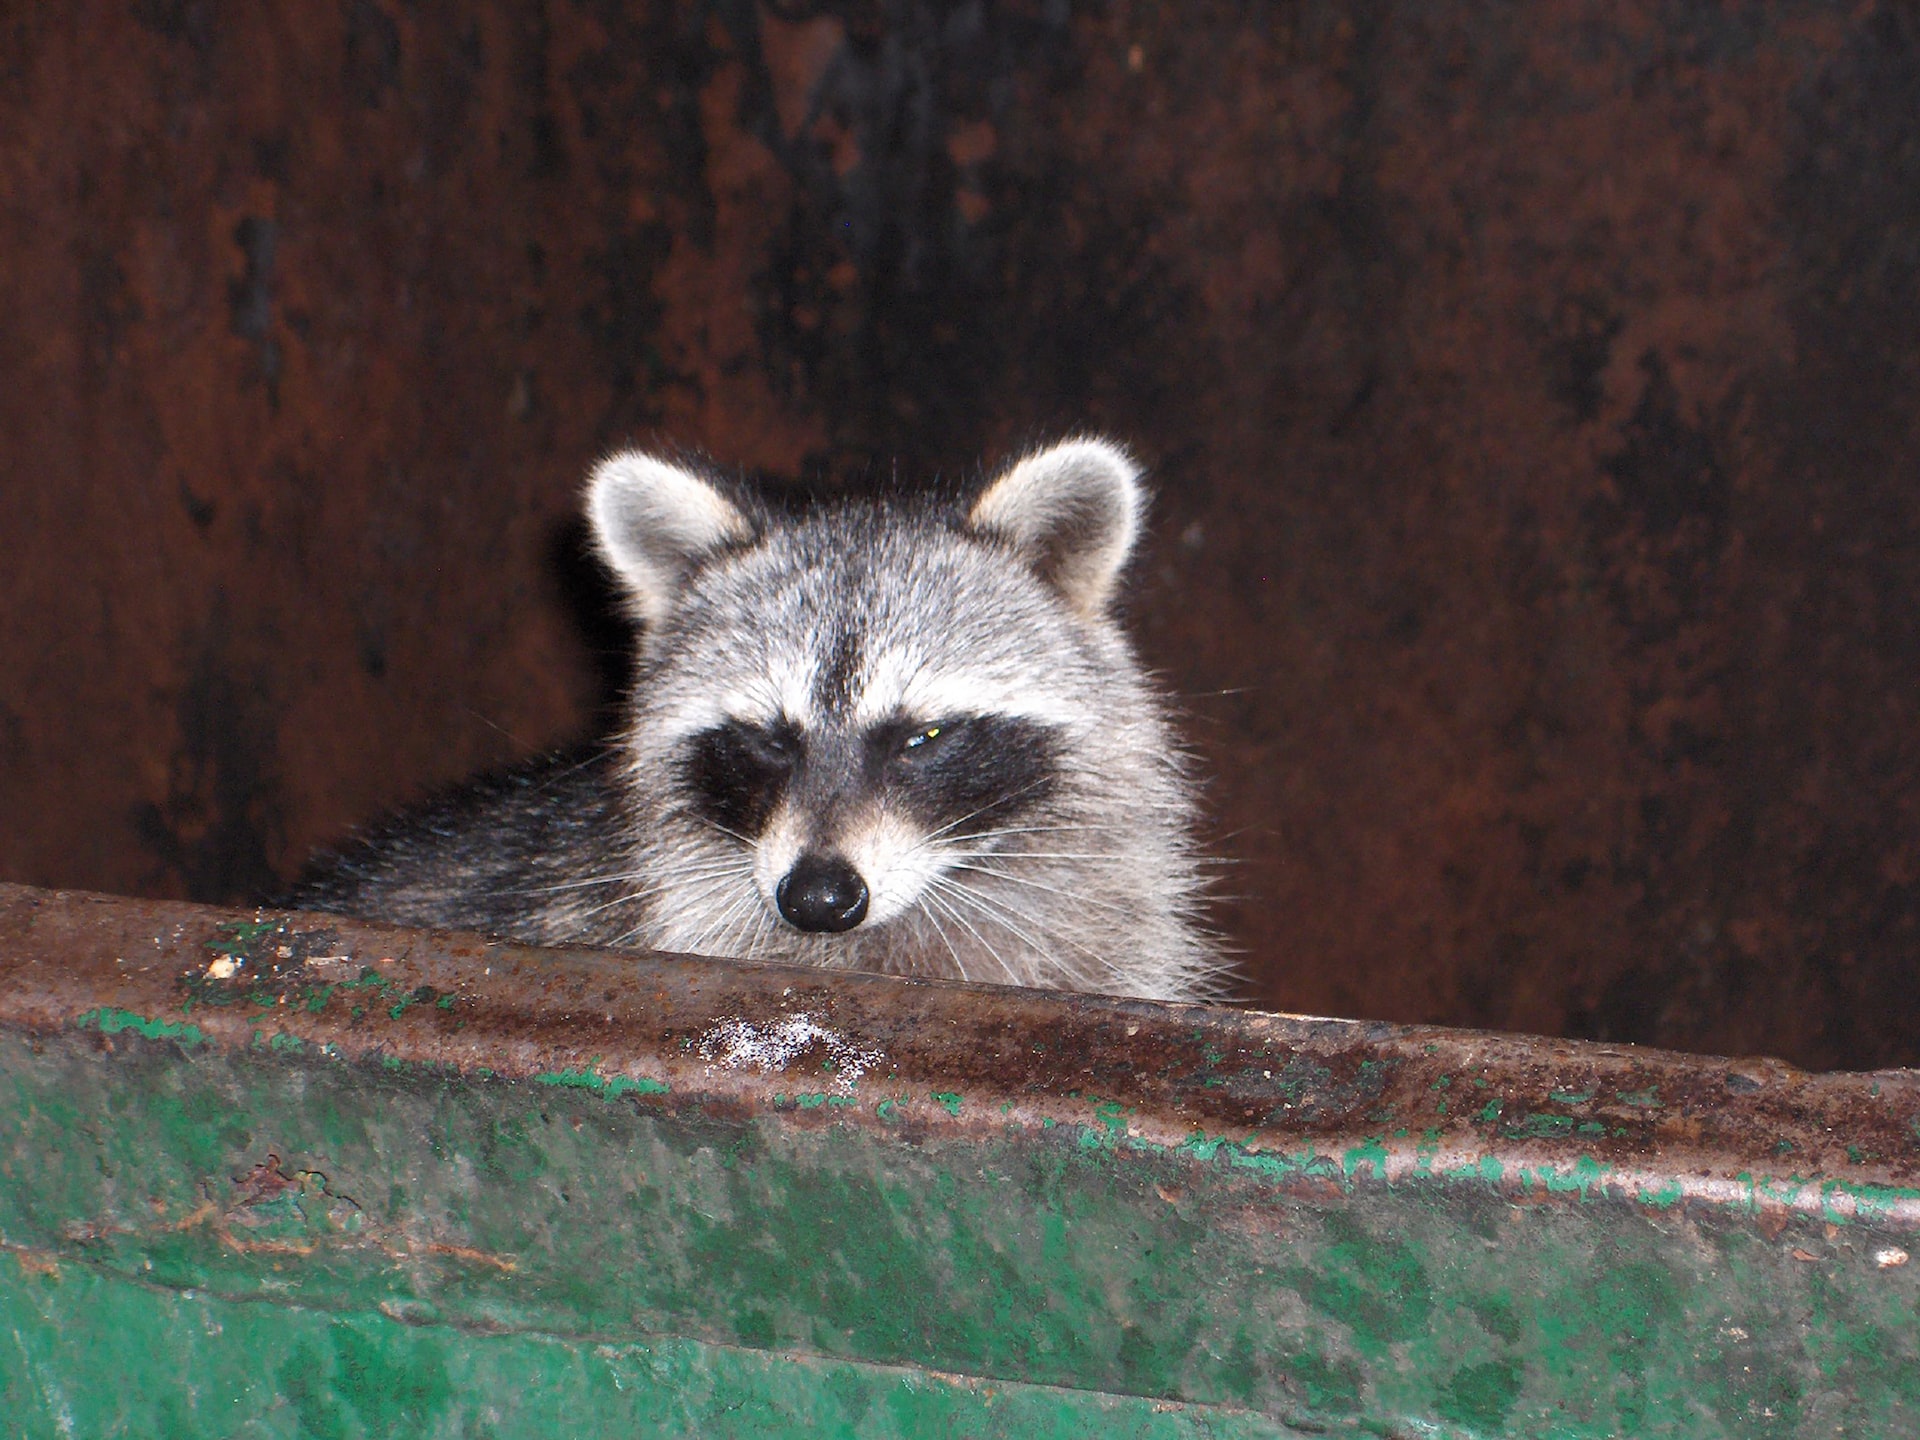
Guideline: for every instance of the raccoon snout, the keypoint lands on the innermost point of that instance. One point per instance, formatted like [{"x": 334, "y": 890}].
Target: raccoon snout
[{"x": 822, "y": 893}]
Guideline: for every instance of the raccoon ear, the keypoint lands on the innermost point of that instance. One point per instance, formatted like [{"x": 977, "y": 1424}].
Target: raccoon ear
[
  {"x": 1073, "y": 511},
  {"x": 654, "y": 522}
]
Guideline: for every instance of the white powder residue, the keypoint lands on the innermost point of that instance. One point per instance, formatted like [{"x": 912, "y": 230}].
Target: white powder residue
[{"x": 738, "y": 1044}]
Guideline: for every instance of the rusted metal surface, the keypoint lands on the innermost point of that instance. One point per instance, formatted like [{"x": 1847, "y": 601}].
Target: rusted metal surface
[
  {"x": 1529, "y": 391},
  {"x": 1319, "y": 1225},
  {"x": 1646, "y": 1116}
]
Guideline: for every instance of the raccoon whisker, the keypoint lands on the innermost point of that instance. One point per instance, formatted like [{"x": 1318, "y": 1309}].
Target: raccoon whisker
[
  {"x": 723, "y": 865},
  {"x": 708, "y": 820},
  {"x": 1078, "y": 897},
  {"x": 604, "y": 905},
  {"x": 575, "y": 884},
  {"x": 993, "y": 804},
  {"x": 592, "y": 757},
  {"x": 754, "y": 930},
  {"x": 991, "y": 914},
  {"x": 1025, "y": 830},
  {"x": 702, "y": 887},
  {"x": 709, "y": 883},
  {"x": 732, "y": 944},
  {"x": 731, "y": 865},
  {"x": 946, "y": 885},
  {"x": 940, "y": 930},
  {"x": 935, "y": 898},
  {"x": 998, "y": 909},
  {"x": 736, "y": 919},
  {"x": 1028, "y": 855},
  {"x": 624, "y": 898}
]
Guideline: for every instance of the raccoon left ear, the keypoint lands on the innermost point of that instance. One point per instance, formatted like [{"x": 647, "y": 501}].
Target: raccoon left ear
[
  {"x": 654, "y": 522},
  {"x": 1073, "y": 510}
]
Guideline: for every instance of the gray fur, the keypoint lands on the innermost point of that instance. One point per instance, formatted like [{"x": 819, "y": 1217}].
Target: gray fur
[{"x": 854, "y": 621}]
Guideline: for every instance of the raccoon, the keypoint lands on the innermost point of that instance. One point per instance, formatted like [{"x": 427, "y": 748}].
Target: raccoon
[{"x": 889, "y": 735}]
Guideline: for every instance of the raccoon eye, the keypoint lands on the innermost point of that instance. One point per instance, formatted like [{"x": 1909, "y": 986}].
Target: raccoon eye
[
  {"x": 738, "y": 772},
  {"x": 922, "y": 738},
  {"x": 967, "y": 774},
  {"x": 774, "y": 746}
]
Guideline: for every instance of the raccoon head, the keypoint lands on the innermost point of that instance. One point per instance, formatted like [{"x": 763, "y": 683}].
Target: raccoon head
[{"x": 856, "y": 704}]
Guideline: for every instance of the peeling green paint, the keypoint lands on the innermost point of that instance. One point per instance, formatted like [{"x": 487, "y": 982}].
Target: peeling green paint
[
  {"x": 1663, "y": 1197},
  {"x": 605, "y": 1086},
  {"x": 1371, "y": 1153},
  {"x": 813, "y": 1101},
  {"x": 109, "y": 1021},
  {"x": 1538, "y": 1127},
  {"x": 949, "y": 1100},
  {"x": 1586, "y": 1177},
  {"x": 239, "y": 936},
  {"x": 1202, "y": 1272}
]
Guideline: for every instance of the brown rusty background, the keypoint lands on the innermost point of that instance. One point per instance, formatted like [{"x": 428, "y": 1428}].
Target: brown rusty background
[{"x": 1531, "y": 395}]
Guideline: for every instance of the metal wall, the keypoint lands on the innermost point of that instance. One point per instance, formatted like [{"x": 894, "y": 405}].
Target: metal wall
[
  {"x": 1530, "y": 396},
  {"x": 273, "y": 1176}
]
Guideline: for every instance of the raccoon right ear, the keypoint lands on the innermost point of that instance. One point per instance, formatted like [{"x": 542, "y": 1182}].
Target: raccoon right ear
[
  {"x": 654, "y": 521},
  {"x": 1073, "y": 512}
]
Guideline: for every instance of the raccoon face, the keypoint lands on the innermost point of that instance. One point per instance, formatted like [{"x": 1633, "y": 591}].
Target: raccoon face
[
  {"x": 852, "y": 822},
  {"x": 866, "y": 704}
]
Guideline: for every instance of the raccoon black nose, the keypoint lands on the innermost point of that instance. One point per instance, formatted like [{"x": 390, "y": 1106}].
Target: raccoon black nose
[{"x": 822, "y": 892}]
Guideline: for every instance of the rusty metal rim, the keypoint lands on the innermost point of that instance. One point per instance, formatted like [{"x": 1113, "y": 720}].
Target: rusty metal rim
[{"x": 1300, "y": 1100}]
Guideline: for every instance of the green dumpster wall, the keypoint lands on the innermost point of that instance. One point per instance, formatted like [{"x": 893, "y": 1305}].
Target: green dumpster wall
[{"x": 271, "y": 1176}]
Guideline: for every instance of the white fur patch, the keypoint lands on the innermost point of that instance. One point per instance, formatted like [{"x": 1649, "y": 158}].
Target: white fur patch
[
  {"x": 779, "y": 846},
  {"x": 784, "y": 692},
  {"x": 900, "y": 682},
  {"x": 893, "y": 857}
]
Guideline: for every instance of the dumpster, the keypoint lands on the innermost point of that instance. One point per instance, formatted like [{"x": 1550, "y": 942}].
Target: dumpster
[{"x": 269, "y": 1174}]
